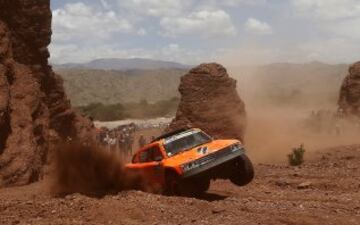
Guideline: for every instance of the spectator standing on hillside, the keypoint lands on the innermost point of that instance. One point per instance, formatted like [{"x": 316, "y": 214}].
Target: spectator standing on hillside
[
  {"x": 142, "y": 141},
  {"x": 112, "y": 142},
  {"x": 107, "y": 141},
  {"x": 121, "y": 141},
  {"x": 131, "y": 143},
  {"x": 127, "y": 144}
]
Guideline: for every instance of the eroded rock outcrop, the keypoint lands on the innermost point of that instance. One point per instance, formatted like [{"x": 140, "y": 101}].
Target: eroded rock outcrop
[
  {"x": 349, "y": 100},
  {"x": 209, "y": 100},
  {"x": 34, "y": 110}
]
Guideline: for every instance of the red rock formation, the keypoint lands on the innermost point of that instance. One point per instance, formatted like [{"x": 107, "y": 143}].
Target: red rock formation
[
  {"x": 34, "y": 109},
  {"x": 209, "y": 101},
  {"x": 349, "y": 99}
]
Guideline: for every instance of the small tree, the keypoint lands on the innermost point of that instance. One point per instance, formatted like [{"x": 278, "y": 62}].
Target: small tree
[{"x": 296, "y": 158}]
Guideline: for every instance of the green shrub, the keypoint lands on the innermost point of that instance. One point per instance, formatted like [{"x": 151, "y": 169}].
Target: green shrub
[
  {"x": 140, "y": 110},
  {"x": 296, "y": 158},
  {"x": 104, "y": 112}
]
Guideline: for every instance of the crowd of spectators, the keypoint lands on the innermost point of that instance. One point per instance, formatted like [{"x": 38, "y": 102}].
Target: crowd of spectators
[{"x": 121, "y": 140}]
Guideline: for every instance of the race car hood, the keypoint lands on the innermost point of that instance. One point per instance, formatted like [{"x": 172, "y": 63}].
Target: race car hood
[{"x": 198, "y": 152}]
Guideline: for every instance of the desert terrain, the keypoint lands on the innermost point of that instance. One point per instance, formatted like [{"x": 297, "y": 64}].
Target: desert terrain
[{"x": 325, "y": 190}]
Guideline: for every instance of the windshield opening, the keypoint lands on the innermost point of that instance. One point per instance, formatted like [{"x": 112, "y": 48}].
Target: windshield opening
[{"x": 182, "y": 142}]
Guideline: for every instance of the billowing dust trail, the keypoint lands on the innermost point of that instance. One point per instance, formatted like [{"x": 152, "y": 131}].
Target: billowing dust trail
[
  {"x": 273, "y": 132},
  {"x": 90, "y": 170},
  {"x": 279, "y": 103}
]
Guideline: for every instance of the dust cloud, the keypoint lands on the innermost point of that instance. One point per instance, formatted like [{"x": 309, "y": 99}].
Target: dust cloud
[
  {"x": 279, "y": 122},
  {"x": 89, "y": 170},
  {"x": 273, "y": 132}
]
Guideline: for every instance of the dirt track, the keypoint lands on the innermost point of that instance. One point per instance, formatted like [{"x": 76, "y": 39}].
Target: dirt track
[{"x": 333, "y": 197}]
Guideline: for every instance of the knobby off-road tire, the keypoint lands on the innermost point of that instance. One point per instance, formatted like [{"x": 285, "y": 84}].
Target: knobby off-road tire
[
  {"x": 243, "y": 171},
  {"x": 199, "y": 185},
  {"x": 172, "y": 184},
  {"x": 191, "y": 187}
]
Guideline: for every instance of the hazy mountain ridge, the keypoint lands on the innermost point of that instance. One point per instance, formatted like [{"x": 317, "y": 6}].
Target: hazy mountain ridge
[
  {"x": 85, "y": 86},
  {"x": 280, "y": 83},
  {"x": 124, "y": 64}
]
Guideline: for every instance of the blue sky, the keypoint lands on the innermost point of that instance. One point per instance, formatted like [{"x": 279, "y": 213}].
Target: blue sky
[{"x": 233, "y": 32}]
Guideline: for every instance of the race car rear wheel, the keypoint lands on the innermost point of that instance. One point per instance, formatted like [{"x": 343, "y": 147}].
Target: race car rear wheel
[{"x": 243, "y": 171}]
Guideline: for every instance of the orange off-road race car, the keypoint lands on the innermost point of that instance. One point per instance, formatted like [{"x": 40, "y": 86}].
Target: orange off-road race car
[{"x": 183, "y": 162}]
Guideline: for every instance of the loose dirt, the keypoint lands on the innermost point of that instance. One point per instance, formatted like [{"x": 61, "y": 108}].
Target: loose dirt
[
  {"x": 89, "y": 170},
  {"x": 325, "y": 190}
]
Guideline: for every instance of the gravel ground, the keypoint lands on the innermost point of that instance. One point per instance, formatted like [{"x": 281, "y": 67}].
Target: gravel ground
[{"x": 325, "y": 190}]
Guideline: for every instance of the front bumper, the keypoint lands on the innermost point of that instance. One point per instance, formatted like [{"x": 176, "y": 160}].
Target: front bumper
[{"x": 213, "y": 160}]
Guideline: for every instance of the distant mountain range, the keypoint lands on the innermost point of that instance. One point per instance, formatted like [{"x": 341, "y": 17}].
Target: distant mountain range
[
  {"x": 124, "y": 64},
  {"x": 85, "y": 86},
  {"x": 311, "y": 84}
]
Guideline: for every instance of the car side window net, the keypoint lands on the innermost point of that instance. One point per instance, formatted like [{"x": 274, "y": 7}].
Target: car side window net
[
  {"x": 144, "y": 155},
  {"x": 150, "y": 155},
  {"x": 156, "y": 154}
]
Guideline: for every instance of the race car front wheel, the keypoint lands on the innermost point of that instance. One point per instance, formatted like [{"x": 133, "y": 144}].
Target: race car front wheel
[
  {"x": 172, "y": 184},
  {"x": 243, "y": 172},
  {"x": 200, "y": 185},
  {"x": 189, "y": 187}
]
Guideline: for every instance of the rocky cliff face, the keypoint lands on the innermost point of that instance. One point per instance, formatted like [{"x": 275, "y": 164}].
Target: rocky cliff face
[
  {"x": 34, "y": 110},
  {"x": 209, "y": 101},
  {"x": 349, "y": 100}
]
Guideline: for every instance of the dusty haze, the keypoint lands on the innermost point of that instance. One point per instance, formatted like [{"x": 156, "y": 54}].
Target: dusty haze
[{"x": 280, "y": 102}]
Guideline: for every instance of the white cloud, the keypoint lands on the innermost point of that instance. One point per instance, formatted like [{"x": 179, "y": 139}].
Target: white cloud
[
  {"x": 64, "y": 53},
  {"x": 257, "y": 27},
  {"x": 105, "y": 4},
  {"x": 338, "y": 22},
  {"x": 239, "y": 2},
  {"x": 73, "y": 53},
  {"x": 326, "y": 30},
  {"x": 161, "y": 8},
  {"x": 157, "y": 8},
  {"x": 141, "y": 32},
  {"x": 83, "y": 32},
  {"x": 328, "y": 9},
  {"x": 80, "y": 22},
  {"x": 333, "y": 50},
  {"x": 346, "y": 29},
  {"x": 203, "y": 23}
]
